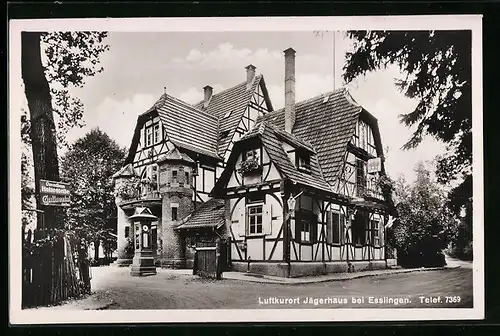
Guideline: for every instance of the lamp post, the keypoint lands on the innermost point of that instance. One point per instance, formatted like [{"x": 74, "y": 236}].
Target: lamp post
[{"x": 143, "y": 262}]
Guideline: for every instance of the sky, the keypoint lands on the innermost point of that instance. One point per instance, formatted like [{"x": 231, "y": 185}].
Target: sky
[{"x": 140, "y": 66}]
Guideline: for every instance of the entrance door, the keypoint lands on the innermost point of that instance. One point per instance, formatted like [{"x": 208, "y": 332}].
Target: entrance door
[{"x": 207, "y": 261}]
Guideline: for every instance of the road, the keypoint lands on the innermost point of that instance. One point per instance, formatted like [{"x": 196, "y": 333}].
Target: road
[{"x": 181, "y": 290}]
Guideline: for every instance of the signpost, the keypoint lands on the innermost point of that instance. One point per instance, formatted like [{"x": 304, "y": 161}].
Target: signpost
[
  {"x": 374, "y": 165},
  {"x": 53, "y": 193}
]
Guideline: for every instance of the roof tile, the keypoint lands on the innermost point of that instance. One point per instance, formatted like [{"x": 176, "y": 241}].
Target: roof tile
[
  {"x": 209, "y": 214},
  {"x": 327, "y": 126}
]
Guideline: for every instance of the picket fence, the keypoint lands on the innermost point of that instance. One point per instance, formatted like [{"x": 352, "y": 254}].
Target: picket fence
[{"x": 52, "y": 273}]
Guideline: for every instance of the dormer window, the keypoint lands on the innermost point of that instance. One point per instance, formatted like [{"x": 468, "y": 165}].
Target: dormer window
[
  {"x": 304, "y": 162},
  {"x": 223, "y": 135}
]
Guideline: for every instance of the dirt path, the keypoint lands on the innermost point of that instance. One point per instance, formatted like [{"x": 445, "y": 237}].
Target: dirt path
[{"x": 181, "y": 290}]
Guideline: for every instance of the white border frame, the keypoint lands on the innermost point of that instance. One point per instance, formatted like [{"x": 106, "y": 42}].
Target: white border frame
[{"x": 427, "y": 22}]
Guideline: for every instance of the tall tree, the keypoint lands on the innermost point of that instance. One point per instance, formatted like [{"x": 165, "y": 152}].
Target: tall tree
[
  {"x": 68, "y": 57},
  {"x": 437, "y": 65},
  {"x": 425, "y": 224},
  {"x": 77, "y": 58},
  {"x": 88, "y": 166}
]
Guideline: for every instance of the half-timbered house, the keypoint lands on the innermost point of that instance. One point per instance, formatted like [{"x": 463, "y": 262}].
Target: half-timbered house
[
  {"x": 295, "y": 191},
  {"x": 178, "y": 152}
]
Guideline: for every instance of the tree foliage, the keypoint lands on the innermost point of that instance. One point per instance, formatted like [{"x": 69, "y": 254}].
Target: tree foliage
[
  {"x": 67, "y": 59},
  {"x": 88, "y": 166},
  {"x": 425, "y": 224},
  {"x": 437, "y": 68},
  {"x": 70, "y": 58}
]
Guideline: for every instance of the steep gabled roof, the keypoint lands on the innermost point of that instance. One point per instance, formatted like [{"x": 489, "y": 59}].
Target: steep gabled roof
[
  {"x": 183, "y": 123},
  {"x": 328, "y": 123},
  {"x": 273, "y": 144},
  {"x": 232, "y": 101},
  {"x": 175, "y": 155},
  {"x": 272, "y": 140},
  {"x": 209, "y": 214}
]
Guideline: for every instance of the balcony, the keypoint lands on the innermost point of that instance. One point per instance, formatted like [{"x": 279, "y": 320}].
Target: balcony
[
  {"x": 136, "y": 198},
  {"x": 370, "y": 190}
]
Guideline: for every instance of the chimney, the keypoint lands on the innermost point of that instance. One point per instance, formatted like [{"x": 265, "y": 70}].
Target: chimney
[
  {"x": 250, "y": 75},
  {"x": 207, "y": 90},
  {"x": 289, "y": 89}
]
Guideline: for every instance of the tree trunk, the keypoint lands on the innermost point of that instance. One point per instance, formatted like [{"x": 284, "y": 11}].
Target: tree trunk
[
  {"x": 44, "y": 146},
  {"x": 96, "y": 251},
  {"x": 43, "y": 132}
]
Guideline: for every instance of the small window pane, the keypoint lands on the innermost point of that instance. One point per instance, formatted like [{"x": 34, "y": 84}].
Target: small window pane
[{"x": 174, "y": 213}]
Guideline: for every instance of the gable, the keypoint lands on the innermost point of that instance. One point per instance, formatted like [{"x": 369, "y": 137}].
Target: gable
[
  {"x": 237, "y": 109},
  {"x": 327, "y": 122},
  {"x": 139, "y": 152},
  {"x": 266, "y": 135},
  {"x": 180, "y": 125}
]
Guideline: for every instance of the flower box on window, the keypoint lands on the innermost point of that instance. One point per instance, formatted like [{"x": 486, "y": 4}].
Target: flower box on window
[{"x": 250, "y": 165}]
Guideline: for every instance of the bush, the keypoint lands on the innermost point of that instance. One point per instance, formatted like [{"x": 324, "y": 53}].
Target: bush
[
  {"x": 415, "y": 259},
  {"x": 425, "y": 225},
  {"x": 129, "y": 247},
  {"x": 462, "y": 253}
]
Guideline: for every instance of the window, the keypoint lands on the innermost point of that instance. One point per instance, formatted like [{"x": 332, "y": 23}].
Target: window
[
  {"x": 364, "y": 139},
  {"x": 174, "y": 212},
  {"x": 375, "y": 224},
  {"x": 186, "y": 177},
  {"x": 156, "y": 133},
  {"x": 250, "y": 162},
  {"x": 251, "y": 154},
  {"x": 153, "y": 134},
  {"x": 360, "y": 177},
  {"x": 127, "y": 231},
  {"x": 255, "y": 219},
  {"x": 305, "y": 226},
  {"x": 359, "y": 227},
  {"x": 334, "y": 228},
  {"x": 304, "y": 162},
  {"x": 174, "y": 177},
  {"x": 149, "y": 136},
  {"x": 149, "y": 179}
]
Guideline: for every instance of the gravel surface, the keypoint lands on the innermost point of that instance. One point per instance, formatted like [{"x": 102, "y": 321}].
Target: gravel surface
[{"x": 172, "y": 289}]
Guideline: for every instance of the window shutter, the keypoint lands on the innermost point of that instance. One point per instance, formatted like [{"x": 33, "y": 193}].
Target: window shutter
[
  {"x": 329, "y": 227},
  {"x": 342, "y": 225},
  {"x": 298, "y": 226},
  {"x": 142, "y": 139},
  {"x": 266, "y": 219},
  {"x": 314, "y": 228},
  {"x": 242, "y": 222}
]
